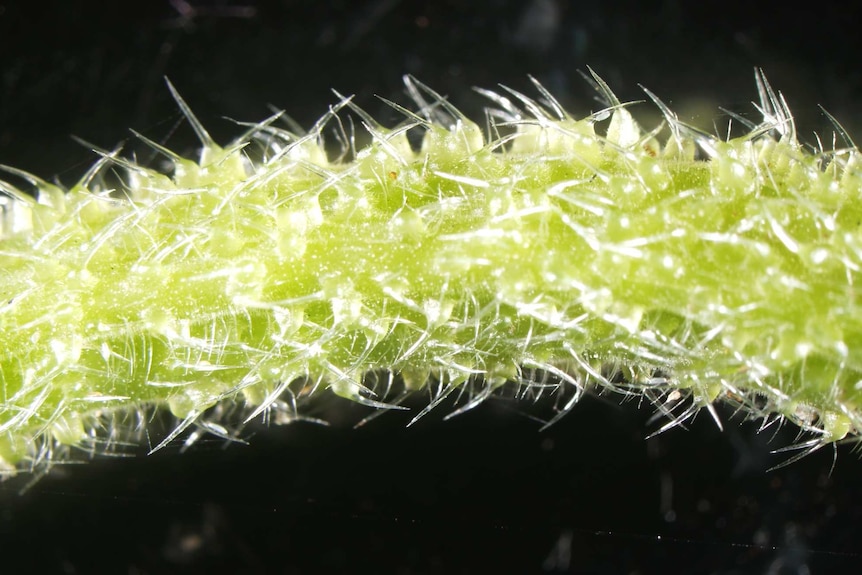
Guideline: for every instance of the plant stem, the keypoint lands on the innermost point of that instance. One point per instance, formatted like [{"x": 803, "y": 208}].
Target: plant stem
[{"x": 545, "y": 252}]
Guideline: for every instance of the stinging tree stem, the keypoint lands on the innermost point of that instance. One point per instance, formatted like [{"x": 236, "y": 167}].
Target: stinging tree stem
[{"x": 545, "y": 253}]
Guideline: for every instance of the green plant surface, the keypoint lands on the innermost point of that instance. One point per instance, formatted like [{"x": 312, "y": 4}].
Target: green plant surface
[{"x": 562, "y": 255}]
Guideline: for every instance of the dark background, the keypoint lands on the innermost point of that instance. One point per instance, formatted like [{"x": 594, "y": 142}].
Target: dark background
[{"x": 486, "y": 492}]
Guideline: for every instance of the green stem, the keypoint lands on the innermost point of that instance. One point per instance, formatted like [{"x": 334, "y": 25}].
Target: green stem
[{"x": 596, "y": 260}]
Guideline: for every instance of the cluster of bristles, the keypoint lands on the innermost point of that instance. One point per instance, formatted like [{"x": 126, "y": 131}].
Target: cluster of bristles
[{"x": 534, "y": 259}]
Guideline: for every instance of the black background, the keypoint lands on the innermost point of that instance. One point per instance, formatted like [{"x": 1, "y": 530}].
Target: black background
[{"x": 486, "y": 492}]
